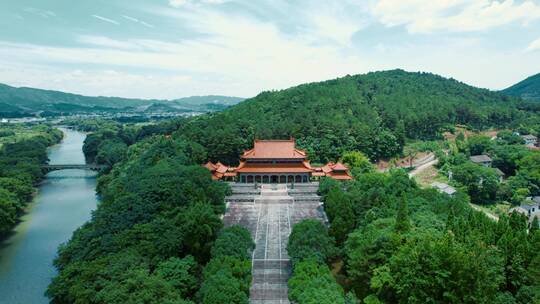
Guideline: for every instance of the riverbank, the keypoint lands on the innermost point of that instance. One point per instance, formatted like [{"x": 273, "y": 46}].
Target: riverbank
[
  {"x": 23, "y": 149},
  {"x": 63, "y": 203}
]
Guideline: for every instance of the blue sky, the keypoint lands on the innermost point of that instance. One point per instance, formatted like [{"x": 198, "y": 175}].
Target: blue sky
[{"x": 176, "y": 48}]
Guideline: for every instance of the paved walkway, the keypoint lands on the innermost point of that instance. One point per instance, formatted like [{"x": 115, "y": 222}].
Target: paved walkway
[
  {"x": 270, "y": 217},
  {"x": 271, "y": 265}
]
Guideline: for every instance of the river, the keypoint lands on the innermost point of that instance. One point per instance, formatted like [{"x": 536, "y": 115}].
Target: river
[{"x": 63, "y": 203}]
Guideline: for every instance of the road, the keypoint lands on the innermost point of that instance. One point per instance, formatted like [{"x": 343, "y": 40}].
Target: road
[
  {"x": 431, "y": 161},
  {"x": 487, "y": 213}
]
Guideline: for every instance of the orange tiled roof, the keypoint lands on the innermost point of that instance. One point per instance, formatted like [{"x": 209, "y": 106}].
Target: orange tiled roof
[
  {"x": 341, "y": 175},
  {"x": 210, "y": 166},
  {"x": 221, "y": 168},
  {"x": 327, "y": 168},
  {"x": 281, "y": 149},
  {"x": 339, "y": 167}
]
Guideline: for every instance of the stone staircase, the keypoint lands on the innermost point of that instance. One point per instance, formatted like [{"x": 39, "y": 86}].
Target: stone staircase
[
  {"x": 269, "y": 211},
  {"x": 243, "y": 192},
  {"x": 305, "y": 192},
  {"x": 271, "y": 266}
]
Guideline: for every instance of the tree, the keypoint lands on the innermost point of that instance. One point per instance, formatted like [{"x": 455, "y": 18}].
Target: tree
[
  {"x": 226, "y": 280},
  {"x": 481, "y": 182},
  {"x": 509, "y": 138},
  {"x": 157, "y": 206},
  {"x": 310, "y": 239},
  {"x": 138, "y": 287},
  {"x": 111, "y": 152},
  {"x": 529, "y": 169},
  {"x": 343, "y": 223},
  {"x": 402, "y": 217},
  {"x": 312, "y": 283},
  {"x": 199, "y": 225},
  {"x": 326, "y": 184},
  {"x": 222, "y": 287},
  {"x": 367, "y": 248},
  {"x": 234, "y": 241},
  {"x": 334, "y": 200},
  {"x": 22, "y": 189},
  {"x": 534, "y": 225},
  {"x": 180, "y": 274},
  {"x": 441, "y": 270},
  {"x": 506, "y": 157},
  {"x": 478, "y": 144},
  {"x": 8, "y": 210},
  {"x": 240, "y": 269},
  {"x": 357, "y": 161}
]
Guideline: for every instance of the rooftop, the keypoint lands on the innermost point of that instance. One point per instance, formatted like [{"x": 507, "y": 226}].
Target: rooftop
[
  {"x": 499, "y": 172},
  {"x": 480, "y": 158},
  {"x": 445, "y": 188},
  {"x": 274, "y": 149},
  {"x": 529, "y": 136}
]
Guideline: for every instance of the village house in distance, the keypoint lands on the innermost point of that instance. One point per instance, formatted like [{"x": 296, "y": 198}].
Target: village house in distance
[{"x": 276, "y": 161}]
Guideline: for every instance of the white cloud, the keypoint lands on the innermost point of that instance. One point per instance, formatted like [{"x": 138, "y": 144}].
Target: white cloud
[
  {"x": 99, "y": 82},
  {"x": 132, "y": 19},
  {"x": 179, "y": 3},
  {"x": 40, "y": 12},
  {"x": 243, "y": 55},
  {"x": 454, "y": 15},
  {"x": 334, "y": 25},
  {"x": 275, "y": 44},
  {"x": 534, "y": 46},
  {"x": 102, "y": 41},
  {"x": 106, "y": 19}
]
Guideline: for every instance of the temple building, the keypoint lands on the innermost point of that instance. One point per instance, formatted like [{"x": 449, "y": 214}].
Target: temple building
[{"x": 276, "y": 161}]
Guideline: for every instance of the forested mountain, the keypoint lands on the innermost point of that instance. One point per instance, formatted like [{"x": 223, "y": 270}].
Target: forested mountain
[
  {"x": 29, "y": 100},
  {"x": 528, "y": 89},
  {"x": 373, "y": 113},
  {"x": 157, "y": 234}
]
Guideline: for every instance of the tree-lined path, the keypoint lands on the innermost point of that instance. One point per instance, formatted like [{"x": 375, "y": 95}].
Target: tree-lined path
[{"x": 270, "y": 212}]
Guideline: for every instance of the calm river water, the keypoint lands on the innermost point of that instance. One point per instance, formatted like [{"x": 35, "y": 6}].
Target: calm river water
[{"x": 64, "y": 202}]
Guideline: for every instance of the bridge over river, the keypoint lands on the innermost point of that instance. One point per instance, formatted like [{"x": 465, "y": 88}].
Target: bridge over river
[{"x": 53, "y": 167}]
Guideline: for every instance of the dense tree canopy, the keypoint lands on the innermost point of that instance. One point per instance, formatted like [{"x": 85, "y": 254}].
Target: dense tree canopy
[
  {"x": 154, "y": 228},
  {"x": 22, "y": 152},
  {"x": 373, "y": 113},
  {"x": 388, "y": 241},
  {"x": 411, "y": 245},
  {"x": 309, "y": 239}
]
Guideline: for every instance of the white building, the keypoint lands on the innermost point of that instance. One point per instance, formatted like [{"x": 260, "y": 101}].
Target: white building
[{"x": 444, "y": 188}]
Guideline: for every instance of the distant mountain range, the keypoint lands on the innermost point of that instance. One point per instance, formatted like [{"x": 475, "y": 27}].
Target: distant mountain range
[
  {"x": 27, "y": 101},
  {"x": 528, "y": 89}
]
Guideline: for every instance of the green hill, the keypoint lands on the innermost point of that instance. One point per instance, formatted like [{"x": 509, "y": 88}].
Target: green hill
[
  {"x": 373, "y": 113},
  {"x": 528, "y": 89},
  {"x": 30, "y": 100}
]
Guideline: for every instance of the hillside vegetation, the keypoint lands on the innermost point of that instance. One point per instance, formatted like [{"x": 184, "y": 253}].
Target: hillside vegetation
[
  {"x": 22, "y": 152},
  {"x": 157, "y": 234},
  {"x": 528, "y": 89},
  {"x": 374, "y": 113}
]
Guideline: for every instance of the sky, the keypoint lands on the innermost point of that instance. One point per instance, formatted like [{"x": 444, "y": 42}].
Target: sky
[{"x": 169, "y": 49}]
